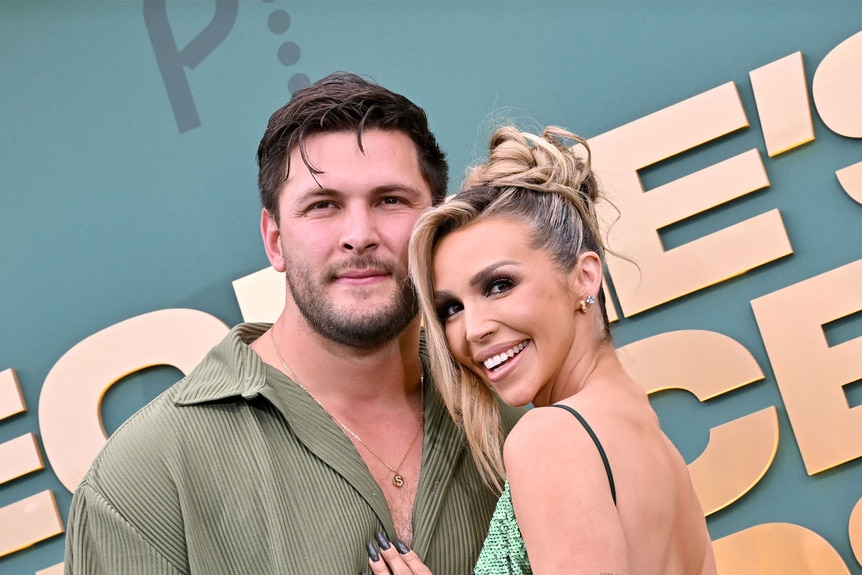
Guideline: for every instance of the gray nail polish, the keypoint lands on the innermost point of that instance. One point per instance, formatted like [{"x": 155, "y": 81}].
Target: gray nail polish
[
  {"x": 372, "y": 551},
  {"x": 382, "y": 540},
  {"x": 401, "y": 546}
]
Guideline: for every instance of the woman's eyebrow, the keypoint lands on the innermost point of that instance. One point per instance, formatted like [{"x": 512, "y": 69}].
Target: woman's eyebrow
[{"x": 482, "y": 275}]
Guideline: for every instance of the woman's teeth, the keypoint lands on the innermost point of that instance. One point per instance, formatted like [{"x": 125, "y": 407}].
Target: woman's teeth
[{"x": 497, "y": 360}]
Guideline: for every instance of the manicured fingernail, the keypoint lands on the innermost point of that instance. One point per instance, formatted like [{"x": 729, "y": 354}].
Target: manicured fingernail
[
  {"x": 401, "y": 546},
  {"x": 382, "y": 540},
  {"x": 372, "y": 551}
]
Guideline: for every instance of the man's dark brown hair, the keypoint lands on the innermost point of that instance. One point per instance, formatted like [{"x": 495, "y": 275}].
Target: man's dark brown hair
[{"x": 343, "y": 102}]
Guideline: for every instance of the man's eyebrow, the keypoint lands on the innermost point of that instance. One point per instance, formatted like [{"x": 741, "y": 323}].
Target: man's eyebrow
[
  {"x": 397, "y": 187},
  {"x": 322, "y": 192},
  {"x": 315, "y": 193}
]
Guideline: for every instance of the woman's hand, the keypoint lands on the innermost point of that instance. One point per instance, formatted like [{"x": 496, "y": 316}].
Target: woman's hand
[{"x": 394, "y": 558}]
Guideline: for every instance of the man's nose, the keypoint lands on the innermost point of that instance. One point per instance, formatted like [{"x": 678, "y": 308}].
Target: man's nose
[{"x": 360, "y": 232}]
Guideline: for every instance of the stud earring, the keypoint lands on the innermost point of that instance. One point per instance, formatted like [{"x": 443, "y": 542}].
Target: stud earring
[{"x": 585, "y": 303}]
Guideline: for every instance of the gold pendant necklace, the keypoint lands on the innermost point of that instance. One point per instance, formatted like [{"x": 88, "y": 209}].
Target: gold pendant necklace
[{"x": 397, "y": 478}]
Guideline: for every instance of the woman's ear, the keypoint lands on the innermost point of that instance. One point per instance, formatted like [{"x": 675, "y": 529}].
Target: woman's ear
[
  {"x": 586, "y": 278},
  {"x": 272, "y": 240}
]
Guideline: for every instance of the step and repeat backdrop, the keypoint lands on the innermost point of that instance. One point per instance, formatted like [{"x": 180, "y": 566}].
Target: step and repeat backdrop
[{"x": 727, "y": 134}]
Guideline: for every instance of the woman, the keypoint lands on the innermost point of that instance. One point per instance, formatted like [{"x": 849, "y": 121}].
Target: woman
[{"x": 509, "y": 275}]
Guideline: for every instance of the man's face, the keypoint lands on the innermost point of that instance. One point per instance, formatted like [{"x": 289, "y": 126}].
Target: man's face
[{"x": 343, "y": 234}]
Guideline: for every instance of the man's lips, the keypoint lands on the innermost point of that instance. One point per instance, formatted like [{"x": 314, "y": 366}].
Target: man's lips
[{"x": 361, "y": 277}]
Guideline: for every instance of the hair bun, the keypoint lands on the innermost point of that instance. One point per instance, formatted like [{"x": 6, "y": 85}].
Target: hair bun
[{"x": 541, "y": 163}]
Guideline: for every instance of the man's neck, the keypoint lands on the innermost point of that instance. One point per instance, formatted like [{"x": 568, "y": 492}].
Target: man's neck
[
  {"x": 376, "y": 393},
  {"x": 328, "y": 368}
]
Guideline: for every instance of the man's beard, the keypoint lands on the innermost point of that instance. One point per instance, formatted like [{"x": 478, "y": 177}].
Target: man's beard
[{"x": 349, "y": 327}]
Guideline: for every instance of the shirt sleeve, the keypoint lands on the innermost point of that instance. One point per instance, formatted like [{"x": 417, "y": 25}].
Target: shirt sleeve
[{"x": 100, "y": 541}]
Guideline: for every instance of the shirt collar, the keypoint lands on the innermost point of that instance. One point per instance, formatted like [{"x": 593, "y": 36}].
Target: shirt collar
[{"x": 230, "y": 369}]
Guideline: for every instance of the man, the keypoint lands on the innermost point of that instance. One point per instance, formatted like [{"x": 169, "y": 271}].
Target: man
[{"x": 291, "y": 446}]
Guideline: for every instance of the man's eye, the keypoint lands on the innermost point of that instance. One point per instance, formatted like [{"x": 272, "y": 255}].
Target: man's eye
[{"x": 391, "y": 200}]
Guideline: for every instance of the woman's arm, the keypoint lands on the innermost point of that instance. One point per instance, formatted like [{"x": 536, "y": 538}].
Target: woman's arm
[{"x": 562, "y": 497}]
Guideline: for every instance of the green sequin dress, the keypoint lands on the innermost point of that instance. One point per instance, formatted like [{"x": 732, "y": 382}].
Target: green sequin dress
[{"x": 504, "y": 552}]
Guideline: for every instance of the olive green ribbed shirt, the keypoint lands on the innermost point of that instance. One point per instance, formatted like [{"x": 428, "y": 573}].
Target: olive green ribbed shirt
[{"x": 236, "y": 470}]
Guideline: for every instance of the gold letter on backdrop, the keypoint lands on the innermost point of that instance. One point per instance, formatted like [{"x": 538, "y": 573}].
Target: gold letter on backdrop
[
  {"x": 661, "y": 275},
  {"x": 781, "y": 93},
  {"x": 810, "y": 373},
  {"x": 854, "y": 529},
  {"x": 70, "y": 404},
  {"x": 29, "y": 521},
  {"x": 837, "y": 88},
  {"x": 260, "y": 295},
  {"x": 709, "y": 364},
  {"x": 34, "y": 518},
  {"x": 837, "y": 91},
  {"x": 777, "y": 549}
]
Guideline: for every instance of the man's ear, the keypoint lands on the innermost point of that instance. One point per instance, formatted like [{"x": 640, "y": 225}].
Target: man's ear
[{"x": 272, "y": 240}]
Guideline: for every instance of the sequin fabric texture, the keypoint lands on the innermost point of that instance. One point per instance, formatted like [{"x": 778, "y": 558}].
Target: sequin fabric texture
[{"x": 504, "y": 552}]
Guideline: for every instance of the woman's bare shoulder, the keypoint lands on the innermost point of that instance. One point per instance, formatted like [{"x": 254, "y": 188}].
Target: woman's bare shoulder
[{"x": 547, "y": 434}]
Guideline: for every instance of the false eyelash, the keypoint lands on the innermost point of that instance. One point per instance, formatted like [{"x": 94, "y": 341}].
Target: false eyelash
[
  {"x": 440, "y": 311},
  {"x": 506, "y": 279}
]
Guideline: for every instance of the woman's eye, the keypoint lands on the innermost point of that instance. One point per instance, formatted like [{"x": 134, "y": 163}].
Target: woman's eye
[
  {"x": 498, "y": 286},
  {"x": 447, "y": 310}
]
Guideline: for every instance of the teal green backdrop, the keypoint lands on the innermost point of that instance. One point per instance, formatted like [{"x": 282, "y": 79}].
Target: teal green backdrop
[{"x": 128, "y": 132}]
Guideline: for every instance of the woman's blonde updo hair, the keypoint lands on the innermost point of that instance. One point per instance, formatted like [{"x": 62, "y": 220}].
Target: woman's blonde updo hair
[{"x": 534, "y": 180}]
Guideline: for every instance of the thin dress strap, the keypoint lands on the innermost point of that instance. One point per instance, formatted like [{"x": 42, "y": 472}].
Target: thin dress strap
[{"x": 598, "y": 446}]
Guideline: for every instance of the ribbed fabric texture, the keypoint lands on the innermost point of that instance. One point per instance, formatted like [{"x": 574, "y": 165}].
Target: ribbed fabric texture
[{"x": 231, "y": 470}]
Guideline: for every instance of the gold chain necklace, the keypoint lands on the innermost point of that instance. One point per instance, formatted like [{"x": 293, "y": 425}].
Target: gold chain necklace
[{"x": 397, "y": 478}]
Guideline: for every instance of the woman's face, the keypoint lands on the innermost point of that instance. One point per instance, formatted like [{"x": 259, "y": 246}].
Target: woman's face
[{"x": 507, "y": 310}]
